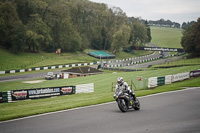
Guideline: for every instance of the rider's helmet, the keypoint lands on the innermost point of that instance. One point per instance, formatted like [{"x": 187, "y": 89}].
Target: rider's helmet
[{"x": 120, "y": 80}]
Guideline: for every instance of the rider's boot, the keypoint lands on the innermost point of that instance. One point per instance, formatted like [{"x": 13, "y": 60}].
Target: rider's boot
[
  {"x": 134, "y": 98},
  {"x": 133, "y": 95}
]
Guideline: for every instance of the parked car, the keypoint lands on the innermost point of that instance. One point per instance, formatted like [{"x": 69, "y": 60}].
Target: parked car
[{"x": 50, "y": 75}]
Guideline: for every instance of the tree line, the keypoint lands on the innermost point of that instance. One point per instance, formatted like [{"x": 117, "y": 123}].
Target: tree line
[
  {"x": 191, "y": 39},
  {"x": 165, "y": 23},
  {"x": 72, "y": 25}
]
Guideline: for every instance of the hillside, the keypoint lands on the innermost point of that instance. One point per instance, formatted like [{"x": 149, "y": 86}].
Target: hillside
[
  {"x": 10, "y": 61},
  {"x": 163, "y": 37},
  {"x": 166, "y": 37}
]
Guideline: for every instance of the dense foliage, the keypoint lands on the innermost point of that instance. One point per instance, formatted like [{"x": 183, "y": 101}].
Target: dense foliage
[
  {"x": 188, "y": 24},
  {"x": 166, "y": 23},
  {"x": 72, "y": 25},
  {"x": 191, "y": 39}
]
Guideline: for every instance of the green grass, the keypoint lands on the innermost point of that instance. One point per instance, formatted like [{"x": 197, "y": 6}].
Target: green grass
[
  {"x": 102, "y": 94},
  {"x": 101, "y": 81},
  {"x": 166, "y": 37},
  {"x": 181, "y": 62},
  {"x": 10, "y": 61}
]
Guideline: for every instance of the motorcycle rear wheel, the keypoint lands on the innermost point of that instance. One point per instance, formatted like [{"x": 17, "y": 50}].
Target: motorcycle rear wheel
[{"x": 122, "y": 105}]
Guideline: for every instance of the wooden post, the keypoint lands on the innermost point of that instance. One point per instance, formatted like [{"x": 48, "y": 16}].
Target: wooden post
[
  {"x": 131, "y": 84},
  {"x": 112, "y": 87}
]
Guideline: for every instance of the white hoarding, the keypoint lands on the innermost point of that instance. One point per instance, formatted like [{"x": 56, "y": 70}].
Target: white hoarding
[{"x": 180, "y": 76}]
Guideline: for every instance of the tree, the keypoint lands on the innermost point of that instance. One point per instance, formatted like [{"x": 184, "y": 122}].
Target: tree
[
  {"x": 33, "y": 40},
  {"x": 45, "y": 25},
  {"x": 138, "y": 35},
  {"x": 39, "y": 27},
  {"x": 191, "y": 39},
  {"x": 11, "y": 28},
  {"x": 120, "y": 38},
  {"x": 148, "y": 31},
  {"x": 188, "y": 24}
]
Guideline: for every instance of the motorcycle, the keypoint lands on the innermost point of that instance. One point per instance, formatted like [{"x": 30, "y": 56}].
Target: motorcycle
[{"x": 125, "y": 101}]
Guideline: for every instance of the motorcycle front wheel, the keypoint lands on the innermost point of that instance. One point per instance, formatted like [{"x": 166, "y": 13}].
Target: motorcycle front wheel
[{"x": 122, "y": 105}]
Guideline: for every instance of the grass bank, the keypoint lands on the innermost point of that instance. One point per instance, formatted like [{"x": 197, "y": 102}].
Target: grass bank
[
  {"x": 166, "y": 37},
  {"x": 10, "y": 61},
  {"x": 180, "y": 62}
]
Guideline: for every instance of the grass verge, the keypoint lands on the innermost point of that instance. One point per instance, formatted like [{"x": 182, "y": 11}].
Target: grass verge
[{"x": 180, "y": 62}]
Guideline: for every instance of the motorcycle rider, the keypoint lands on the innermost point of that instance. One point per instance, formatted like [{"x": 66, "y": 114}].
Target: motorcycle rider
[{"x": 124, "y": 86}]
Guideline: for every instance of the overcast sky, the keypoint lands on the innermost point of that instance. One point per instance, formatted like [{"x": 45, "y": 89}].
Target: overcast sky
[{"x": 175, "y": 10}]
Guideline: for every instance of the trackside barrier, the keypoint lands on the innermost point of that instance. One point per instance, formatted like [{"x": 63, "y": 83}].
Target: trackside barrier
[
  {"x": 1, "y": 97},
  {"x": 168, "y": 79},
  {"x": 132, "y": 61},
  {"x": 85, "y": 88},
  {"x": 16, "y": 95},
  {"x": 195, "y": 73},
  {"x": 156, "y": 81},
  {"x": 180, "y": 76}
]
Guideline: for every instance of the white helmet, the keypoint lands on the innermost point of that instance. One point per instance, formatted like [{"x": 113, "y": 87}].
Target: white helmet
[{"x": 120, "y": 80}]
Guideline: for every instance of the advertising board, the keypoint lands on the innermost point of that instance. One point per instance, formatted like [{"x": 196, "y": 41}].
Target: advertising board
[
  {"x": 66, "y": 90},
  {"x": 180, "y": 76},
  {"x": 41, "y": 92},
  {"x": 19, "y": 94},
  {"x": 157, "y": 49},
  {"x": 1, "y": 97},
  {"x": 195, "y": 73}
]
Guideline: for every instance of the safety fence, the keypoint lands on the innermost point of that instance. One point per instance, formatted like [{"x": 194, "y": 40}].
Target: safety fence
[
  {"x": 168, "y": 79},
  {"x": 133, "y": 61},
  {"x": 37, "y": 93},
  {"x": 130, "y": 61}
]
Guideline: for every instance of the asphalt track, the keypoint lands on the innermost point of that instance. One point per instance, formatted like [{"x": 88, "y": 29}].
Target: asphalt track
[
  {"x": 148, "y": 64},
  {"x": 25, "y": 76},
  {"x": 171, "y": 112}
]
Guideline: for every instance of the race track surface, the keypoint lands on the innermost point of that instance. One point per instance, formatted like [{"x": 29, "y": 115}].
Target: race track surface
[{"x": 173, "y": 112}]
